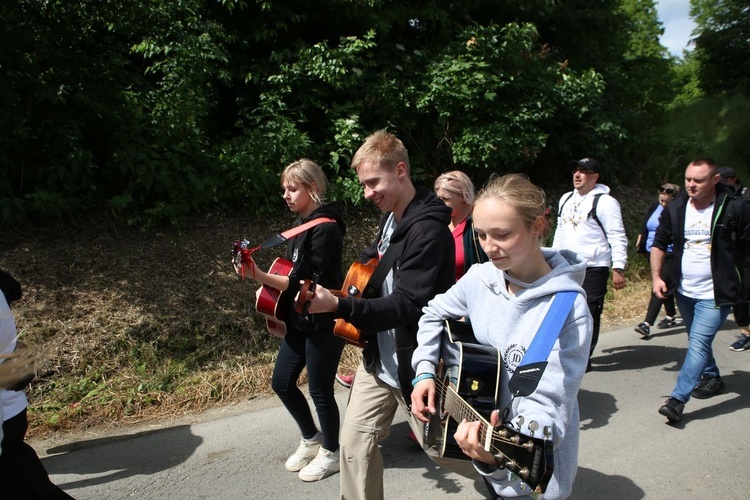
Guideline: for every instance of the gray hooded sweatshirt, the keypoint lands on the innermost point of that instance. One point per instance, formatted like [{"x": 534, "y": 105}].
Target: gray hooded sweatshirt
[{"x": 509, "y": 323}]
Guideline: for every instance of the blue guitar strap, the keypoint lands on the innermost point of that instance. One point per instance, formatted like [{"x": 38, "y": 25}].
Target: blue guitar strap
[{"x": 528, "y": 373}]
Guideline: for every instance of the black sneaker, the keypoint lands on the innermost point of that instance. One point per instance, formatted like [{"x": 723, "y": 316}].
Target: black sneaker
[
  {"x": 672, "y": 409},
  {"x": 707, "y": 387},
  {"x": 666, "y": 323},
  {"x": 644, "y": 329},
  {"x": 741, "y": 344}
]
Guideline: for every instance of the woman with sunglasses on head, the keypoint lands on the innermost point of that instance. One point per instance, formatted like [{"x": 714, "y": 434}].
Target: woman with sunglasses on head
[{"x": 667, "y": 193}]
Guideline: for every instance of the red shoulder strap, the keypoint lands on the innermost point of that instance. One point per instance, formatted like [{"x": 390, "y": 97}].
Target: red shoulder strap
[{"x": 291, "y": 233}]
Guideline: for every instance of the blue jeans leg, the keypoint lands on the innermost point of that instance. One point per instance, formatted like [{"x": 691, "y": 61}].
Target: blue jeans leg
[{"x": 702, "y": 319}]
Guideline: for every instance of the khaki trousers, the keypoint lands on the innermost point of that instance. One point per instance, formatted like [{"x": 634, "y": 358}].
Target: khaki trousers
[{"x": 369, "y": 415}]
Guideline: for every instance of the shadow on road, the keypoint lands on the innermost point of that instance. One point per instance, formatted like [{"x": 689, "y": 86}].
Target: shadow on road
[
  {"x": 637, "y": 357},
  {"x": 596, "y": 408},
  {"x": 400, "y": 452},
  {"x": 593, "y": 485},
  {"x": 120, "y": 457}
]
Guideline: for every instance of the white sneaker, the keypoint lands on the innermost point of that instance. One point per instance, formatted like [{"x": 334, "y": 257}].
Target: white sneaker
[
  {"x": 306, "y": 451},
  {"x": 325, "y": 464}
]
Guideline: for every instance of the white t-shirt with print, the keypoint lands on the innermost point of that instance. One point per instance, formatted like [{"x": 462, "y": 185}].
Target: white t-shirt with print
[{"x": 696, "y": 281}]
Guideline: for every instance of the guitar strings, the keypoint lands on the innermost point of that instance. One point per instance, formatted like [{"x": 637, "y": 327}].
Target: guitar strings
[{"x": 465, "y": 411}]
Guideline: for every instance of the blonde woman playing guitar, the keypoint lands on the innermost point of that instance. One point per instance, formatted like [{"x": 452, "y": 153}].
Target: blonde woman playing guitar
[
  {"x": 505, "y": 301},
  {"x": 308, "y": 339}
]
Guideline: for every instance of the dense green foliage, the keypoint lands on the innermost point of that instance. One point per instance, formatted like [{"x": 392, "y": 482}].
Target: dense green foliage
[
  {"x": 709, "y": 116},
  {"x": 153, "y": 110},
  {"x": 723, "y": 44}
]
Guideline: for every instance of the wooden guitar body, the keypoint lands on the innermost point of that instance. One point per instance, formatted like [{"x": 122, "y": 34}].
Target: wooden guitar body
[
  {"x": 354, "y": 284},
  {"x": 270, "y": 303}
]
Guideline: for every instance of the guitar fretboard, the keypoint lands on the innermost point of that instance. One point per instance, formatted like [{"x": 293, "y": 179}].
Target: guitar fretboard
[{"x": 460, "y": 409}]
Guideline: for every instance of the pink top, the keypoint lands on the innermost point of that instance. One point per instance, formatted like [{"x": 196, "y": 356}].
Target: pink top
[{"x": 458, "y": 240}]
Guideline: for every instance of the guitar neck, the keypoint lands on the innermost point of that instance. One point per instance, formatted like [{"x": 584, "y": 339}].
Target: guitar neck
[{"x": 460, "y": 409}]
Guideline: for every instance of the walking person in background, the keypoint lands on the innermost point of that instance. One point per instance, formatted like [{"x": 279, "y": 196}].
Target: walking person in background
[
  {"x": 710, "y": 232},
  {"x": 667, "y": 193},
  {"x": 22, "y": 474},
  {"x": 415, "y": 250},
  {"x": 589, "y": 222},
  {"x": 518, "y": 285},
  {"x": 457, "y": 192},
  {"x": 309, "y": 339},
  {"x": 740, "y": 310}
]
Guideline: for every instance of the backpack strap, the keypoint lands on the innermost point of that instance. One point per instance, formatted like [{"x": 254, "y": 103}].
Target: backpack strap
[
  {"x": 592, "y": 213},
  {"x": 559, "y": 210}
]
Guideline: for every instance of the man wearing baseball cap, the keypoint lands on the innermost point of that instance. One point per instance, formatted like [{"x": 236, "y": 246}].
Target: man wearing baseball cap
[{"x": 589, "y": 222}]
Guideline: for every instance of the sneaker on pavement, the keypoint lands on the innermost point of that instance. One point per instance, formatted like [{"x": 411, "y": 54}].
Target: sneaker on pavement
[
  {"x": 345, "y": 380},
  {"x": 741, "y": 344},
  {"x": 672, "y": 409},
  {"x": 707, "y": 387},
  {"x": 644, "y": 329},
  {"x": 306, "y": 451},
  {"x": 667, "y": 322},
  {"x": 323, "y": 465}
]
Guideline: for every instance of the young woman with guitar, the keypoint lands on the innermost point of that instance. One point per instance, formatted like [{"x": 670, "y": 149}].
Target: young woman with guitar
[
  {"x": 315, "y": 254},
  {"x": 506, "y": 300}
]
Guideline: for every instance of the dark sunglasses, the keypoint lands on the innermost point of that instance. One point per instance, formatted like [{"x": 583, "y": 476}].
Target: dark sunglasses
[{"x": 662, "y": 189}]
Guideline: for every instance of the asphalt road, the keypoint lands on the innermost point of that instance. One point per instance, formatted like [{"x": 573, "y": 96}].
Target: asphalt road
[{"x": 627, "y": 449}]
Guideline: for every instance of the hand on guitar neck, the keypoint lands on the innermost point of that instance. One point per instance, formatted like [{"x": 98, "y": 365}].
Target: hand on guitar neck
[
  {"x": 468, "y": 436},
  {"x": 315, "y": 299}
]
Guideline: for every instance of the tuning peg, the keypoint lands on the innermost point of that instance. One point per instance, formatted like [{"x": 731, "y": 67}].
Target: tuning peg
[
  {"x": 519, "y": 421},
  {"x": 533, "y": 427},
  {"x": 523, "y": 473}
]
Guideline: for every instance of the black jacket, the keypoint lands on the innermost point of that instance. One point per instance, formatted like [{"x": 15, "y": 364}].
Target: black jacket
[
  {"x": 10, "y": 287},
  {"x": 316, "y": 251},
  {"x": 425, "y": 268},
  {"x": 730, "y": 240}
]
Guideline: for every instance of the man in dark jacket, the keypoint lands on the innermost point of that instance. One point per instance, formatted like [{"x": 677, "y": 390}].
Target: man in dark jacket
[
  {"x": 414, "y": 236},
  {"x": 710, "y": 232}
]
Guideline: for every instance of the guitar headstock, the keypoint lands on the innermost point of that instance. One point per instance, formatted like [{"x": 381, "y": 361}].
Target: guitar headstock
[
  {"x": 530, "y": 458},
  {"x": 241, "y": 252}
]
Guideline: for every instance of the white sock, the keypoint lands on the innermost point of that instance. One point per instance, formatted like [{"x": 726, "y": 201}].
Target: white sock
[{"x": 316, "y": 438}]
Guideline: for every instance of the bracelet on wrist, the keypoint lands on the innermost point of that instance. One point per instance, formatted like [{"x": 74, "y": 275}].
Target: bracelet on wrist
[{"x": 421, "y": 377}]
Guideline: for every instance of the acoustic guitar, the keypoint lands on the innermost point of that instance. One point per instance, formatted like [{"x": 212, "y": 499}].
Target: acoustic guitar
[
  {"x": 272, "y": 303},
  {"x": 470, "y": 391},
  {"x": 354, "y": 284}
]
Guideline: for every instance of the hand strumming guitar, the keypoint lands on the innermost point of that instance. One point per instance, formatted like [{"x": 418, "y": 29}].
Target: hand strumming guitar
[
  {"x": 467, "y": 437},
  {"x": 423, "y": 392}
]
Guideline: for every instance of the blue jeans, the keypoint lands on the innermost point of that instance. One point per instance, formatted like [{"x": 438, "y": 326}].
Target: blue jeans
[{"x": 702, "y": 319}]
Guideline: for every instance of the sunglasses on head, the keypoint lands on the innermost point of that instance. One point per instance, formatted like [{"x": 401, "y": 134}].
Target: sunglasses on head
[{"x": 663, "y": 189}]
